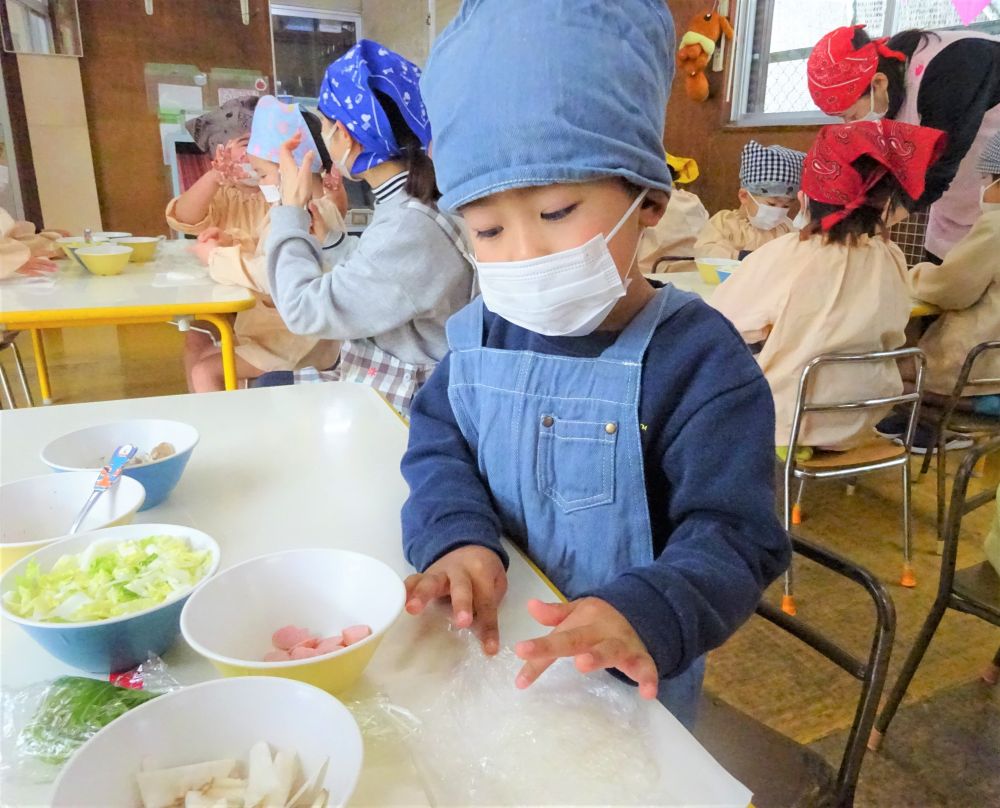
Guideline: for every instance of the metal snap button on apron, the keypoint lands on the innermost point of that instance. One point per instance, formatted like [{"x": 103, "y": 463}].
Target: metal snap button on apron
[
  {"x": 548, "y": 420},
  {"x": 611, "y": 428}
]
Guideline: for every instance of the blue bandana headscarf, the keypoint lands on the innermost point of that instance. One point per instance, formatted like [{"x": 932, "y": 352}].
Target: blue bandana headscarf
[
  {"x": 526, "y": 93},
  {"x": 346, "y": 96},
  {"x": 273, "y": 123}
]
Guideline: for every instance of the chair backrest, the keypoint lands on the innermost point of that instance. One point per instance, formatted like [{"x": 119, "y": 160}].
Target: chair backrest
[
  {"x": 871, "y": 672},
  {"x": 964, "y": 385},
  {"x": 960, "y": 506}
]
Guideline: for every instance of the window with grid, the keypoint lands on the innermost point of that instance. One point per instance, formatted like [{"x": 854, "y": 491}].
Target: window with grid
[{"x": 776, "y": 37}]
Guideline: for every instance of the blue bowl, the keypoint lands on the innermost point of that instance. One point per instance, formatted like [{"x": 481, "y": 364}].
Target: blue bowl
[
  {"x": 121, "y": 643},
  {"x": 88, "y": 450}
]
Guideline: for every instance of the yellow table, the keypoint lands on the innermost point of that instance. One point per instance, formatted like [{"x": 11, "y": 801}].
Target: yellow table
[
  {"x": 692, "y": 282},
  {"x": 174, "y": 287}
]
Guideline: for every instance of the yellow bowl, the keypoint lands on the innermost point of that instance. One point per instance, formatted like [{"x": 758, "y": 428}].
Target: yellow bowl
[
  {"x": 70, "y": 244},
  {"x": 105, "y": 259},
  {"x": 230, "y": 619},
  {"x": 709, "y": 268},
  {"x": 143, "y": 247},
  {"x": 39, "y": 510}
]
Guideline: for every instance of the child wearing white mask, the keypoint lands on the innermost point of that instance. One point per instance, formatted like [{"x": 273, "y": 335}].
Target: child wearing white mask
[
  {"x": 263, "y": 342},
  {"x": 387, "y": 294},
  {"x": 226, "y": 199},
  {"x": 769, "y": 181},
  {"x": 578, "y": 404},
  {"x": 966, "y": 286}
]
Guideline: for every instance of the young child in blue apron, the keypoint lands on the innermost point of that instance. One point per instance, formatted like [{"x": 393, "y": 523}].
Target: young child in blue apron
[{"x": 621, "y": 435}]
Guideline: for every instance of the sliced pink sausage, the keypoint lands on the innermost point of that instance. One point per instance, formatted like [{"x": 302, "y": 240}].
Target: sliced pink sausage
[
  {"x": 277, "y": 656},
  {"x": 354, "y": 634},
  {"x": 330, "y": 644},
  {"x": 310, "y": 642},
  {"x": 287, "y": 637},
  {"x": 302, "y": 652}
]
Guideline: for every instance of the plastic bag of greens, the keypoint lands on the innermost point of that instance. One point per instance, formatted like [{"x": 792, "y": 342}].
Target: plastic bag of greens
[{"x": 44, "y": 723}]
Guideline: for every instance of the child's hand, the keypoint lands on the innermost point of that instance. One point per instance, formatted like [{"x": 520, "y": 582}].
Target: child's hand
[
  {"x": 593, "y": 632},
  {"x": 475, "y": 579},
  {"x": 217, "y": 235},
  {"x": 296, "y": 181},
  {"x": 228, "y": 162},
  {"x": 37, "y": 267},
  {"x": 202, "y": 250},
  {"x": 319, "y": 228}
]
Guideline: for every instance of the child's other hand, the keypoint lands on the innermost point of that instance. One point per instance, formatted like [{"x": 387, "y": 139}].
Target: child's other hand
[
  {"x": 595, "y": 634},
  {"x": 217, "y": 235},
  {"x": 319, "y": 228},
  {"x": 202, "y": 250},
  {"x": 475, "y": 580},
  {"x": 37, "y": 267},
  {"x": 296, "y": 180}
]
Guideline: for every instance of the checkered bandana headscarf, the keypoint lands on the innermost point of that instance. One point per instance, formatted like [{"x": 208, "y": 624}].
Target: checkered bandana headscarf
[{"x": 770, "y": 170}]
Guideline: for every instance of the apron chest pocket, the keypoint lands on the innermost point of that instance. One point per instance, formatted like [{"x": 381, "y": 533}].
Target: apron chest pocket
[{"x": 576, "y": 462}]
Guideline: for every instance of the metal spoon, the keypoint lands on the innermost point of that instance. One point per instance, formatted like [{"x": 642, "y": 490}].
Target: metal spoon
[{"x": 106, "y": 479}]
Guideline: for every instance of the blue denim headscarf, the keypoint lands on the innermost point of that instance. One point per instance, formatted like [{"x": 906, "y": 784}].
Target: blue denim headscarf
[
  {"x": 346, "y": 96},
  {"x": 535, "y": 92}
]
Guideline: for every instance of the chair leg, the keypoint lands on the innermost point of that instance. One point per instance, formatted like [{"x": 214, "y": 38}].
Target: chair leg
[
  {"x": 20, "y": 372},
  {"x": 852, "y": 486},
  {"x": 941, "y": 469},
  {"x": 910, "y": 666},
  {"x": 797, "y": 507},
  {"x": 992, "y": 673},
  {"x": 5, "y": 385},
  {"x": 907, "y": 579}
]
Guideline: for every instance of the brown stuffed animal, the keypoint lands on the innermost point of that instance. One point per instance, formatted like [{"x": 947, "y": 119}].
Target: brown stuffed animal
[{"x": 697, "y": 46}]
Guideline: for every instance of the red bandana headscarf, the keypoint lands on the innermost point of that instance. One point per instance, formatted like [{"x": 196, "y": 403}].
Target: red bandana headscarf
[
  {"x": 904, "y": 150},
  {"x": 838, "y": 74}
]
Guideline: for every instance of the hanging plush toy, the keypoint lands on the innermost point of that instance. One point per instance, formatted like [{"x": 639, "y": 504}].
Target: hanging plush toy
[{"x": 696, "y": 48}]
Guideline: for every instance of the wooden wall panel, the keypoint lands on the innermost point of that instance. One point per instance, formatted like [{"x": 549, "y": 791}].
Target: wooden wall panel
[
  {"x": 119, "y": 39},
  {"x": 702, "y": 130}
]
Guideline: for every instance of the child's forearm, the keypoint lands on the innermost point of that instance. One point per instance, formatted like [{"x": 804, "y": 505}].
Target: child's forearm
[{"x": 193, "y": 205}]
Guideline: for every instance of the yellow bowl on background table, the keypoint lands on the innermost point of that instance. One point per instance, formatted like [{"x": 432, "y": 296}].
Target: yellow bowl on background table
[
  {"x": 709, "y": 268},
  {"x": 70, "y": 244},
  {"x": 143, "y": 247},
  {"x": 230, "y": 619},
  {"x": 111, "y": 235},
  {"x": 104, "y": 259}
]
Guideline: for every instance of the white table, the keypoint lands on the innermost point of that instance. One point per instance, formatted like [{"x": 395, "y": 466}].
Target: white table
[
  {"x": 310, "y": 466},
  {"x": 175, "y": 286}
]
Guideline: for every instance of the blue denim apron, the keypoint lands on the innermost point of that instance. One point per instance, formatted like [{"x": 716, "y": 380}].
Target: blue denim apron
[{"x": 557, "y": 440}]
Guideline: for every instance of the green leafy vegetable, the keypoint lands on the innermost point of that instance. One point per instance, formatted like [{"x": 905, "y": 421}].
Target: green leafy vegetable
[
  {"x": 108, "y": 580},
  {"x": 73, "y": 710}
]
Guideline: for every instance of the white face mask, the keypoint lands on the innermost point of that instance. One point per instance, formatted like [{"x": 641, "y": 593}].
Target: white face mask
[
  {"x": 341, "y": 164},
  {"x": 768, "y": 217},
  {"x": 252, "y": 178},
  {"x": 984, "y": 206},
  {"x": 565, "y": 294},
  {"x": 802, "y": 217},
  {"x": 872, "y": 114}
]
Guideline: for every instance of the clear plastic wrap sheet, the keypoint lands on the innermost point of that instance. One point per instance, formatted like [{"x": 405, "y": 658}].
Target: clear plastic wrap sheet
[
  {"x": 481, "y": 741},
  {"x": 45, "y": 722}
]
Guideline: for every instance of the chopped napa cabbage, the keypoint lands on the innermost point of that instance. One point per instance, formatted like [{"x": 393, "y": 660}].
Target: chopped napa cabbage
[{"x": 108, "y": 580}]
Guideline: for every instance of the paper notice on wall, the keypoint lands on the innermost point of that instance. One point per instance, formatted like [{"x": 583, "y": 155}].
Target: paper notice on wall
[
  {"x": 229, "y": 93},
  {"x": 177, "y": 97}
]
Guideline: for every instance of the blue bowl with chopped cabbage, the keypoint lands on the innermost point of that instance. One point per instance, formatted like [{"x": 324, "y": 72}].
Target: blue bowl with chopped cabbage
[{"x": 105, "y": 600}]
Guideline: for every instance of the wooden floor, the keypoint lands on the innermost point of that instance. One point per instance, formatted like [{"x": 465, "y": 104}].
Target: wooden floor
[{"x": 759, "y": 670}]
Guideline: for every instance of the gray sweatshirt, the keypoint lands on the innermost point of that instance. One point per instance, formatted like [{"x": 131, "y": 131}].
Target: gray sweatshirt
[{"x": 396, "y": 286}]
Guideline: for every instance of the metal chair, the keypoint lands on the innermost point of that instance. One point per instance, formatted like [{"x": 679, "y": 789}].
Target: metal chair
[
  {"x": 779, "y": 771},
  {"x": 973, "y": 590},
  {"x": 7, "y": 340},
  {"x": 877, "y": 454},
  {"x": 948, "y": 419}
]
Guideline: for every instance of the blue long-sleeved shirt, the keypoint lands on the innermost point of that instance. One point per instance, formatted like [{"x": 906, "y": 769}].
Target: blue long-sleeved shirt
[{"x": 707, "y": 426}]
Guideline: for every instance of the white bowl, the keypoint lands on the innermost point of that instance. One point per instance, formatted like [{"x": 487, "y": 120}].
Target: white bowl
[
  {"x": 38, "y": 510},
  {"x": 89, "y": 449},
  {"x": 212, "y": 720},
  {"x": 231, "y": 619}
]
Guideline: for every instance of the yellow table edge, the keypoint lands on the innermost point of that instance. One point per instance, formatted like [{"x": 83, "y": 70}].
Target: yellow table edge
[{"x": 48, "y": 318}]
